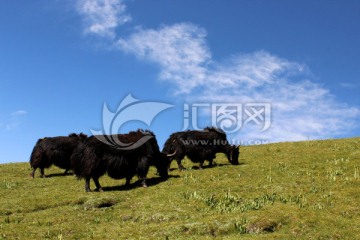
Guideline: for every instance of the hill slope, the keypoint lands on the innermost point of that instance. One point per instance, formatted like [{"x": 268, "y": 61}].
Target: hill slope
[{"x": 287, "y": 190}]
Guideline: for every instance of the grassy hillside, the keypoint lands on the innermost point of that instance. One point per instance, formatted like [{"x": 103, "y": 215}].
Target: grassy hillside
[{"x": 306, "y": 190}]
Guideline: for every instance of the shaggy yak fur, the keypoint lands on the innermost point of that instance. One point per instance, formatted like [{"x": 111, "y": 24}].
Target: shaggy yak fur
[
  {"x": 96, "y": 156},
  {"x": 199, "y": 146},
  {"x": 54, "y": 150}
]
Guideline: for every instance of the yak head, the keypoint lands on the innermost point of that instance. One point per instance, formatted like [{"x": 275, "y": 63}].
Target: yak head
[
  {"x": 161, "y": 163},
  {"x": 232, "y": 154}
]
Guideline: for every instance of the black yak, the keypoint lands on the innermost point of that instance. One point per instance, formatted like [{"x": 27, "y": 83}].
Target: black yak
[
  {"x": 102, "y": 154},
  {"x": 199, "y": 146},
  {"x": 54, "y": 150}
]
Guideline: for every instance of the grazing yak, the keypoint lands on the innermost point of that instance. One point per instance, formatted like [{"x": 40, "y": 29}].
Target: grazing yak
[
  {"x": 97, "y": 156},
  {"x": 54, "y": 150},
  {"x": 199, "y": 146}
]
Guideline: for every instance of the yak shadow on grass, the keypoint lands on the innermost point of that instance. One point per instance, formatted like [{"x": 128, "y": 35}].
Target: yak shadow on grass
[
  {"x": 215, "y": 165},
  {"x": 59, "y": 174},
  {"x": 150, "y": 182}
]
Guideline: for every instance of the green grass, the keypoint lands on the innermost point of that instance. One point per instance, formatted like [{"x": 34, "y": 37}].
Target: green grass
[{"x": 299, "y": 190}]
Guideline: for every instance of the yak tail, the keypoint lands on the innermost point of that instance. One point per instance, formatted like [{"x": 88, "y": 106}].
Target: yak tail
[{"x": 36, "y": 153}]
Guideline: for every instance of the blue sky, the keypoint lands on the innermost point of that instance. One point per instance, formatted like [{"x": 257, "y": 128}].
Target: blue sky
[{"x": 61, "y": 60}]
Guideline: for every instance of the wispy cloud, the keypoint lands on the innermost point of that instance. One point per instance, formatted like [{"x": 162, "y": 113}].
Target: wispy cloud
[
  {"x": 12, "y": 125},
  {"x": 101, "y": 17},
  {"x": 301, "y": 108},
  {"x": 18, "y": 113},
  {"x": 180, "y": 50},
  {"x": 348, "y": 85},
  {"x": 13, "y": 120}
]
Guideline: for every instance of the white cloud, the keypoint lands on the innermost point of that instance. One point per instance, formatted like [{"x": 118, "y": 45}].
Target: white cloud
[
  {"x": 11, "y": 126},
  {"x": 348, "y": 85},
  {"x": 18, "y": 113},
  {"x": 180, "y": 50},
  {"x": 301, "y": 108},
  {"x": 101, "y": 17},
  {"x": 13, "y": 120}
]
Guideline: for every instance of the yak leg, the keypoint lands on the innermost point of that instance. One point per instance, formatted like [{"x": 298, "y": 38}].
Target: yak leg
[
  {"x": 127, "y": 183},
  {"x": 97, "y": 184},
  {"x": 87, "y": 184},
  {"x": 66, "y": 171},
  {"x": 181, "y": 167},
  {"x": 142, "y": 170},
  {"x": 211, "y": 162},
  {"x": 142, "y": 178},
  {"x": 143, "y": 182},
  {"x": 201, "y": 164},
  {"x": 42, "y": 172},
  {"x": 170, "y": 161},
  {"x": 32, "y": 174},
  {"x": 180, "y": 154}
]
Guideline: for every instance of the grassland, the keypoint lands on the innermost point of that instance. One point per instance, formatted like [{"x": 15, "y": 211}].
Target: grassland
[{"x": 299, "y": 190}]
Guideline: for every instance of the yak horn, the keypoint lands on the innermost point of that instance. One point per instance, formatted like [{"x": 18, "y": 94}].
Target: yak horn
[{"x": 171, "y": 154}]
